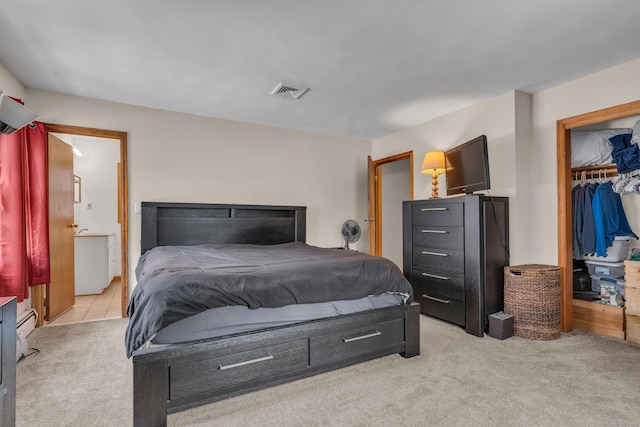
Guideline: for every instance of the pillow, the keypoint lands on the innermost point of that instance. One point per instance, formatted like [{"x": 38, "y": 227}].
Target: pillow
[
  {"x": 635, "y": 134},
  {"x": 592, "y": 147}
]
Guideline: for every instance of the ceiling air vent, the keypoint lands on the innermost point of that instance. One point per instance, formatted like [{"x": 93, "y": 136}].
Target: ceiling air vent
[{"x": 288, "y": 90}]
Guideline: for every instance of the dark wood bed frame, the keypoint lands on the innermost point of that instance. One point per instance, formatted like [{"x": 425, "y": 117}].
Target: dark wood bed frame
[{"x": 172, "y": 378}]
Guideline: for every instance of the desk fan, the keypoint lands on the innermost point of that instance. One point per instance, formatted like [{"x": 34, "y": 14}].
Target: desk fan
[{"x": 350, "y": 232}]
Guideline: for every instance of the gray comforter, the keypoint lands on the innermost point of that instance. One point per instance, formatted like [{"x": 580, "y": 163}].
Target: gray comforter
[{"x": 175, "y": 282}]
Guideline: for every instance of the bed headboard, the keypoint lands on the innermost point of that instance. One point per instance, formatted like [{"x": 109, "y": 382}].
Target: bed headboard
[{"x": 199, "y": 223}]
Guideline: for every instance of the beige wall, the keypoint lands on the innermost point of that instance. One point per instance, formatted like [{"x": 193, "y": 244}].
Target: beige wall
[
  {"x": 608, "y": 88},
  {"x": 179, "y": 157},
  {"x": 9, "y": 85},
  {"x": 521, "y": 133},
  {"x": 185, "y": 158},
  {"x": 494, "y": 118}
]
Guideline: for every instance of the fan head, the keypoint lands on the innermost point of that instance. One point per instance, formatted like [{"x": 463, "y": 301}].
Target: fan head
[{"x": 350, "y": 232}]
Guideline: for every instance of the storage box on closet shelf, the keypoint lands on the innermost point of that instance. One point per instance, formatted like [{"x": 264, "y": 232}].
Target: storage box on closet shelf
[
  {"x": 607, "y": 286},
  {"x": 607, "y": 272},
  {"x": 613, "y": 270},
  {"x": 618, "y": 251},
  {"x": 607, "y": 278}
]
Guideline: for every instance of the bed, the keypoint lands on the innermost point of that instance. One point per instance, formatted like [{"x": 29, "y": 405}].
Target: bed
[{"x": 170, "y": 377}]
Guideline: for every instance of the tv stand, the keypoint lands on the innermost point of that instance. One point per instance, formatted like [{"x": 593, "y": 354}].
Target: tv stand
[{"x": 454, "y": 251}]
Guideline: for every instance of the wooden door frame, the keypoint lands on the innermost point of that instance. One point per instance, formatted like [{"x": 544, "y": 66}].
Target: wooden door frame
[
  {"x": 565, "y": 254},
  {"x": 375, "y": 244},
  {"x": 122, "y": 198}
]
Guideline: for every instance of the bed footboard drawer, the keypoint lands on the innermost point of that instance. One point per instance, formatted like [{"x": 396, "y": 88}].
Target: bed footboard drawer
[
  {"x": 188, "y": 379},
  {"x": 356, "y": 342}
]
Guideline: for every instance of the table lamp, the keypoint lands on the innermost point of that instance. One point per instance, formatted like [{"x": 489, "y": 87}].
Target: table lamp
[{"x": 433, "y": 164}]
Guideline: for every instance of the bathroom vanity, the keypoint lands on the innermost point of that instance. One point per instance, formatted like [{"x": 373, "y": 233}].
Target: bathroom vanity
[{"x": 94, "y": 262}]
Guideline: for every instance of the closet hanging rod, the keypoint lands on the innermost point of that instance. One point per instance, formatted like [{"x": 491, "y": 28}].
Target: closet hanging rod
[{"x": 610, "y": 169}]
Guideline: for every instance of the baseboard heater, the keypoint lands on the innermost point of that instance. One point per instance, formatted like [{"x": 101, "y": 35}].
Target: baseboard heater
[{"x": 26, "y": 323}]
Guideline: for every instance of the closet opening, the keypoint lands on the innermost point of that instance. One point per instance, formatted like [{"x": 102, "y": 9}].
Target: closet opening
[{"x": 621, "y": 116}]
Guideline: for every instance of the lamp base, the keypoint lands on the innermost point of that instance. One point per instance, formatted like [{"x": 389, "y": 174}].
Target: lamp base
[{"x": 434, "y": 186}]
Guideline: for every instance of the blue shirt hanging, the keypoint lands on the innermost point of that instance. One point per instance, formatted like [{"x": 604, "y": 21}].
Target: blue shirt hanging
[{"x": 609, "y": 218}]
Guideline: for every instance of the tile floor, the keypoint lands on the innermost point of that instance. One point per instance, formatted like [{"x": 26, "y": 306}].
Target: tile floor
[{"x": 93, "y": 307}]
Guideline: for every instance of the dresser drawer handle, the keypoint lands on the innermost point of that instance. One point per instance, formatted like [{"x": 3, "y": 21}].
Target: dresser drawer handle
[
  {"x": 434, "y": 253},
  {"x": 362, "y": 337},
  {"x": 444, "y": 301},
  {"x": 245, "y": 363},
  {"x": 435, "y": 231},
  {"x": 433, "y": 209},
  {"x": 435, "y": 277}
]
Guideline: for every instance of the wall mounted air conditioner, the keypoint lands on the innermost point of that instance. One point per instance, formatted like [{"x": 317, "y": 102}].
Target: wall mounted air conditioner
[
  {"x": 13, "y": 115},
  {"x": 26, "y": 323}
]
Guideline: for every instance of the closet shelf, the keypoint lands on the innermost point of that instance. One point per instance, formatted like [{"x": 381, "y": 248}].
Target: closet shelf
[{"x": 610, "y": 169}]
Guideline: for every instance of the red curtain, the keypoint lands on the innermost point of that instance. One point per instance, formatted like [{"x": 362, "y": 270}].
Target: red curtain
[{"x": 24, "y": 211}]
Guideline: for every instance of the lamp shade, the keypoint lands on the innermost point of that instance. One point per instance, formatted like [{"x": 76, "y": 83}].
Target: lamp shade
[{"x": 433, "y": 162}]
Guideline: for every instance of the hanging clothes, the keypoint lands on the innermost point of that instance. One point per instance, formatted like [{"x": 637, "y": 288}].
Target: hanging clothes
[
  {"x": 576, "y": 214},
  {"x": 583, "y": 229},
  {"x": 588, "y": 232},
  {"x": 625, "y": 154},
  {"x": 609, "y": 218}
]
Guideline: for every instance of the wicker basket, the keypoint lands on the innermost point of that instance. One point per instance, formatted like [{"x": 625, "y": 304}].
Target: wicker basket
[{"x": 532, "y": 295}]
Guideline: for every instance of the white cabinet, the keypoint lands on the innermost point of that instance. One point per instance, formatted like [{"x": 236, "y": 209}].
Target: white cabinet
[{"x": 94, "y": 262}]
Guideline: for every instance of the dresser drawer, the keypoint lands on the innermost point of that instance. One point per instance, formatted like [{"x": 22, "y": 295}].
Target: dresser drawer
[
  {"x": 237, "y": 368},
  {"x": 438, "y": 237},
  {"x": 451, "y": 285},
  {"x": 356, "y": 342},
  {"x": 447, "y": 214},
  {"x": 442, "y": 307},
  {"x": 447, "y": 261}
]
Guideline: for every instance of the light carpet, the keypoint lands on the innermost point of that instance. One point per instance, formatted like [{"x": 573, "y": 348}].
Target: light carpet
[{"x": 81, "y": 377}]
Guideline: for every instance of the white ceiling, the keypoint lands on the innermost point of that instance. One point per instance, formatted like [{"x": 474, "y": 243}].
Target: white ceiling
[{"x": 374, "y": 67}]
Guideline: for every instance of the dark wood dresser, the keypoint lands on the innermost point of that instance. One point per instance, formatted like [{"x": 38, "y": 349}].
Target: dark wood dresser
[
  {"x": 7, "y": 361},
  {"x": 454, "y": 251}
]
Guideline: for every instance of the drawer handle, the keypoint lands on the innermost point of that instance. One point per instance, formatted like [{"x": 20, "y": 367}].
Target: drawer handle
[
  {"x": 246, "y": 362},
  {"x": 434, "y": 253},
  {"x": 435, "y": 231},
  {"x": 433, "y": 209},
  {"x": 435, "y": 277},
  {"x": 444, "y": 301},
  {"x": 362, "y": 337}
]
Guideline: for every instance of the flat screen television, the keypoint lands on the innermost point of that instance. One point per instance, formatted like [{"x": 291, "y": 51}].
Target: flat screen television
[{"x": 467, "y": 167}]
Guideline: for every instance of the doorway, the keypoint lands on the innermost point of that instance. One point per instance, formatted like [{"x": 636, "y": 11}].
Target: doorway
[
  {"x": 119, "y": 139},
  {"x": 565, "y": 254},
  {"x": 392, "y": 181}
]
